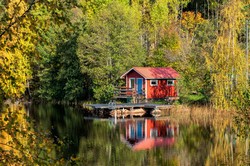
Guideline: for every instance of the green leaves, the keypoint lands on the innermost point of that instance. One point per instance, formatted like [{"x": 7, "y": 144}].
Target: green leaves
[
  {"x": 60, "y": 76},
  {"x": 109, "y": 46},
  {"x": 73, "y": 50}
]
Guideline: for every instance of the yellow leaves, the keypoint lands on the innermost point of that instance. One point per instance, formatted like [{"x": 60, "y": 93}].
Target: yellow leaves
[
  {"x": 15, "y": 47},
  {"x": 19, "y": 143},
  {"x": 13, "y": 120},
  {"x": 232, "y": 14},
  {"x": 15, "y": 9},
  {"x": 190, "y": 20},
  {"x": 17, "y": 25},
  {"x": 14, "y": 72},
  {"x": 227, "y": 60}
]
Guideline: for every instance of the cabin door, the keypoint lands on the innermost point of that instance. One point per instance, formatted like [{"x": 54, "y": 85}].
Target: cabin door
[{"x": 139, "y": 85}]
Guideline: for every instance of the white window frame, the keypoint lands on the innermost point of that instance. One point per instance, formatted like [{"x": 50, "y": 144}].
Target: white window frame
[
  {"x": 130, "y": 82},
  {"x": 151, "y": 82},
  {"x": 172, "y": 84}
]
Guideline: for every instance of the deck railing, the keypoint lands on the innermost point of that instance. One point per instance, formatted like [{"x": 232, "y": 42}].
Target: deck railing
[
  {"x": 124, "y": 92},
  {"x": 128, "y": 93}
]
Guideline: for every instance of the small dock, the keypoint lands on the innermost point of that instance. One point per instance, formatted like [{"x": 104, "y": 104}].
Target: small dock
[
  {"x": 130, "y": 106},
  {"x": 128, "y": 109}
]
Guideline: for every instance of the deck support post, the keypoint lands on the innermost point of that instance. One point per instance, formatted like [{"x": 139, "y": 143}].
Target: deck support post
[
  {"x": 247, "y": 145},
  {"x": 115, "y": 117},
  {"x": 131, "y": 115}
]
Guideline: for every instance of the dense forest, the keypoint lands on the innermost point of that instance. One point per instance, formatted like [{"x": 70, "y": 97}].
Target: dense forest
[{"x": 76, "y": 50}]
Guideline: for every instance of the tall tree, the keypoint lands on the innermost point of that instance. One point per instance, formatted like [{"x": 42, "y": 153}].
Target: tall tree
[
  {"x": 197, "y": 37},
  {"x": 156, "y": 18},
  {"x": 225, "y": 63},
  {"x": 109, "y": 45},
  {"x": 58, "y": 74}
]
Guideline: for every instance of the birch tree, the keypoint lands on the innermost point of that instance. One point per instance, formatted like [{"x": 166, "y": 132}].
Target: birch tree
[{"x": 227, "y": 59}]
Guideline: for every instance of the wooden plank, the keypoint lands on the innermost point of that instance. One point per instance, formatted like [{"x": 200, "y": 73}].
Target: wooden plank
[{"x": 123, "y": 97}]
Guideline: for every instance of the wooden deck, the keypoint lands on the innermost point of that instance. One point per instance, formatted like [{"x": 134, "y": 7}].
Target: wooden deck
[{"x": 124, "y": 120}]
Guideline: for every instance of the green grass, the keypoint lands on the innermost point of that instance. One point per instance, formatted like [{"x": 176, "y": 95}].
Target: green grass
[{"x": 193, "y": 99}]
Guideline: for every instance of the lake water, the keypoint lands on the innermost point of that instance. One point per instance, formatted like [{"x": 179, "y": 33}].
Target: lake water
[{"x": 146, "y": 140}]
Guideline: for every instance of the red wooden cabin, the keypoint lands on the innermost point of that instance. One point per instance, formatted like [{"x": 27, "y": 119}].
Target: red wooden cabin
[{"x": 153, "y": 82}]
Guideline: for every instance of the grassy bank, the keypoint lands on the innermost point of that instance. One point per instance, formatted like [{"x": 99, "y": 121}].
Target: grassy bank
[{"x": 199, "y": 114}]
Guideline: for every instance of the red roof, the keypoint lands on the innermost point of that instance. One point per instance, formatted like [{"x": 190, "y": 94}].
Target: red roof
[{"x": 154, "y": 72}]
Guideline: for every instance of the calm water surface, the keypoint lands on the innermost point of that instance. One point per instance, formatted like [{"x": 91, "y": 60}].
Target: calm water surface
[{"x": 138, "y": 140}]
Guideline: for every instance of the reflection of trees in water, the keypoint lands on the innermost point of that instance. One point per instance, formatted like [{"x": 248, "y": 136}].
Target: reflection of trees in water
[
  {"x": 20, "y": 144},
  {"x": 194, "y": 143},
  {"x": 94, "y": 142},
  {"x": 232, "y": 151},
  {"x": 65, "y": 123},
  {"x": 214, "y": 144},
  {"x": 227, "y": 149},
  {"x": 103, "y": 147}
]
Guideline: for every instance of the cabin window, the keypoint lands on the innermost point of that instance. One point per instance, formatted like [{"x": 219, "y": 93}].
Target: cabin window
[
  {"x": 170, "y": 82},
  {"x": 153, "y": 133},
  {"x": 153, "y": 82},
  {"x": 132, "y": 83}
]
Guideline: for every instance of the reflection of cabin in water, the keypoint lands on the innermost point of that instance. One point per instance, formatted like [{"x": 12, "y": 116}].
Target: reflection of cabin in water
[
  {"x": 149, "y": 133},
  {"x": 151, "y": 82}
]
